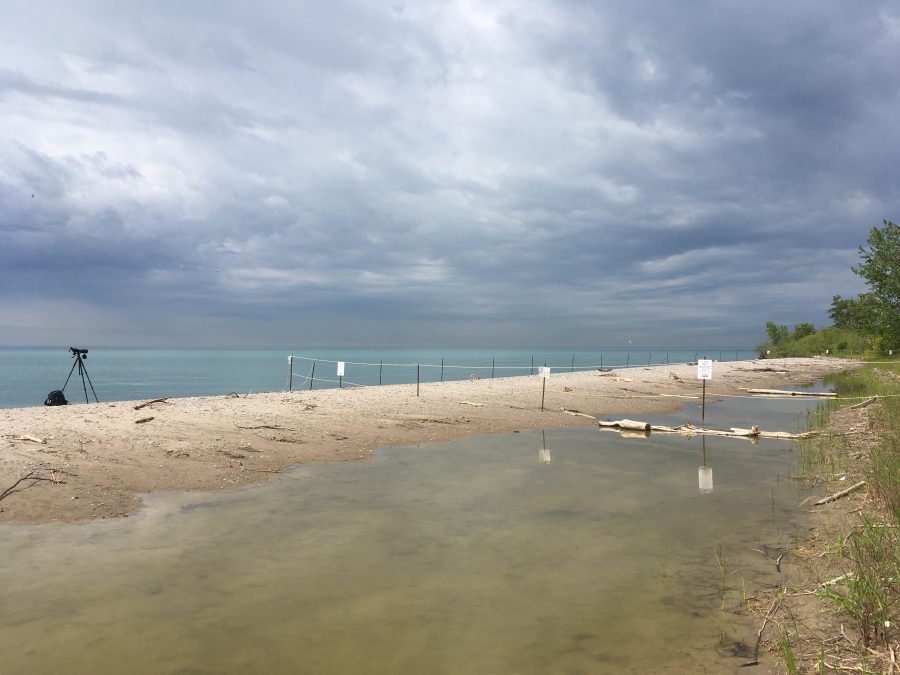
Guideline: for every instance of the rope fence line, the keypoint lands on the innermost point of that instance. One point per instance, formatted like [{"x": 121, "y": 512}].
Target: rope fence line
[{"x": 304, "y": 380}]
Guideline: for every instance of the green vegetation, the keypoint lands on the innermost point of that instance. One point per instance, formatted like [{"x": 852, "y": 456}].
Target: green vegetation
[
  {"x": 866, "y": 325},
  {"x": 869, "y": 598}
]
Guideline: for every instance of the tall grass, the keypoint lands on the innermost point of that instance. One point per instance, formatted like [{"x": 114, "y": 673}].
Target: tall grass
[{"x": 871, "y": 595}]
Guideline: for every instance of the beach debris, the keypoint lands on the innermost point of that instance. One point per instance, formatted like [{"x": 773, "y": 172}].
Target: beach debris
[
  {"x": 569, "y": 389},
  {"x": 156, "y": 400},
  {"x": 838, "y": 495},
  {"x": 144, "y": 420},
  {"x": 863, "y": 404},
  {"x": 676, "y": 378},
  {"x": 32, "y": 439},
  {"x": 476, "y": 405},
  {"x": 34, "y": 476},
  {"x": 577, "y": 413},
  {"x": 759, "y": 633},
  {"x": 232, "y": 455},
  {"x": 261, "y": 426},
  {"x": 782, "y": 392},
  {"x": 626, "y": 424},
  {"x": 474, "y": 377},
  {"x": 689, "y": 429}
]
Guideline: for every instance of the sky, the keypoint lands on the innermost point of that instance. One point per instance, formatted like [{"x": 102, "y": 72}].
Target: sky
[{"x": 439, "y": 173}]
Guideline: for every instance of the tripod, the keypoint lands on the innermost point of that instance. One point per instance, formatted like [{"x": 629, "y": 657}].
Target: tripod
[{"x": 80, "y": 355}]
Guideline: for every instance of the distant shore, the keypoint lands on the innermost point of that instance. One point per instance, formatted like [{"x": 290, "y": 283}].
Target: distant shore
[{"x": 94, "y": 460}]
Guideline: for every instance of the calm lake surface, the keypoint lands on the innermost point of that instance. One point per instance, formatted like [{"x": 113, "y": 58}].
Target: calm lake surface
[
  {"x": 28, "y": 375},
  {"x": 477, "y": 556}
]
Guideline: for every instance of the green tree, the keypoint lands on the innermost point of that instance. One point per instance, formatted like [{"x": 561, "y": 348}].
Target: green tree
[
  {"x": 880, "y": 267},
  {"x": 777, "y": 334},
  {"x": 801, "y": 330}
]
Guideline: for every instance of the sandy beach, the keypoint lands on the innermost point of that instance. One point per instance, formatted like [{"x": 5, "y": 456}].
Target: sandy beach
[{"x": 94, "y": 460}]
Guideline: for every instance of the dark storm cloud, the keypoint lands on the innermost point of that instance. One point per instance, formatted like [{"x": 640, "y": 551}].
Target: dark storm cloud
[{"x": 439, "y": 172}]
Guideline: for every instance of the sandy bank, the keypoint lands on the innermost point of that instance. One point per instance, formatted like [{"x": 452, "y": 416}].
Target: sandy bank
[{"x": 105, "y": 454}]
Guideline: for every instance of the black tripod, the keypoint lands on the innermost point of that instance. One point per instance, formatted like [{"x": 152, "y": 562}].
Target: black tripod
[{"x": 80, "y": 355}]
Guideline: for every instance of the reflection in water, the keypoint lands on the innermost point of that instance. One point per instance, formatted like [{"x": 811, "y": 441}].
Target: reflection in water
[
  {"x": 705, "y": 473},
  {"x": 544, "y": 453},
  {"x": 448, "y": 558}
]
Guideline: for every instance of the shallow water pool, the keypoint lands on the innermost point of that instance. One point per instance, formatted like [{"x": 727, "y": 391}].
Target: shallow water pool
[{"x": 574, "y": 551}]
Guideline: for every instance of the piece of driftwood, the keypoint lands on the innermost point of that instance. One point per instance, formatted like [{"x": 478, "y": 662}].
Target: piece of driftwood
[
  {"x": 32, "y": 439},
  {"x": 577, "y": 413},
  {"x": 476, "y": 405},
  {"x": 631, "y": 425},
  {"x": 863, "y": 404},
  {"x": 691, "y": 430},
  {"x": 838, "y": 495},
  {"x": 783, "y": 392},
  {"x": 836, "y": 580},
  {"x": 156, "y": 400},
  {"x": 759, "y": 633},
  {"x": 143, "y": 420}
]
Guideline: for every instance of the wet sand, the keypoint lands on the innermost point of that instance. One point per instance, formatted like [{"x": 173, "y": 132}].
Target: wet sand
[{"x": 100, "y": 457}]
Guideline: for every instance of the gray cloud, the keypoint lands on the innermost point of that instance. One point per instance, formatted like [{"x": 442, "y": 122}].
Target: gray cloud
[{"x": 439, "y": 173}]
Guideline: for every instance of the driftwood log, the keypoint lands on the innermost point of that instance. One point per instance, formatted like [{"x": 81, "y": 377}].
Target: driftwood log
[
  {"x": 838, "y": 495},
  {"x": 782, "y": 392},
  {"x": 691, "y": 430}
]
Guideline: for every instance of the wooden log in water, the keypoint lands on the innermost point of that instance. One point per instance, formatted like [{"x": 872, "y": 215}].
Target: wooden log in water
[{"x": 783, "y": 392}]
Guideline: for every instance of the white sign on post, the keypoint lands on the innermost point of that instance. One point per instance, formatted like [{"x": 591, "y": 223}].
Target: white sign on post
[
  {"x": 340, "y": 369},
  {"x": 704, "y": 369},
  {"x": 544, "y": 371}
]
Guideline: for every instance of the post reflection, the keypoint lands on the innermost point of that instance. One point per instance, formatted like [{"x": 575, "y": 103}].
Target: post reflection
[
  {"x": 705, "y": 473},
  {"x": 544, "y": 452}
]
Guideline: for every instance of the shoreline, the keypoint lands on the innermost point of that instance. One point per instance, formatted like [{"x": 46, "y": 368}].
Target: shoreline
[{"x": 97, "y": 458}]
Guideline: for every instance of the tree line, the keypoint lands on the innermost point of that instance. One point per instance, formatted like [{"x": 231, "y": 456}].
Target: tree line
[{"x": 866, "y": 324}]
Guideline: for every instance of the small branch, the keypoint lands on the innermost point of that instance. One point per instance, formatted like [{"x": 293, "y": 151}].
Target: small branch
[
  {"x": 31, "y": 475},
  {"x": 832, "y": 582},
  {"x": 260, "y": 426},
  {"x": 576, "y": 413},
  {"x": 33, "y": 439},
  {"x": 143, "y": 420},
  {"x": 759, "y": 633},
  {"x": 156, "y": 400},
  {"x": 838, "y": 495},
  {"x": 863, "y": 404}
]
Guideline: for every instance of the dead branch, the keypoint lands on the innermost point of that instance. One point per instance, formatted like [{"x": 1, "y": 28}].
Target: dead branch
[
  {"x": 156, "y": 400},
  {"x": 260, "y": 426},
  {"x": 759, "y": 633},
  {"x": 863, "y": 404},
  {"x": 33, "y": 439},
  {"x": 577, "y": 413},
  {"x": 32, "y": 476},
  {"x": 143, "y": 420},
  {"x": 838, "y": 495}
]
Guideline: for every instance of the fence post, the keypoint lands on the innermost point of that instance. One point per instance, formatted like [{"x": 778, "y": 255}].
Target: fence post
[
  {"x": 492, "y": 368},
  {"x": 532, "y": 364},
  {"x": 417, "y": 379},
  {"x": 442, "y": 370},
  {"x": 312, "y": 375},
  {"x": 290, "y": 373},
  {"x": 380, "y": 368}
]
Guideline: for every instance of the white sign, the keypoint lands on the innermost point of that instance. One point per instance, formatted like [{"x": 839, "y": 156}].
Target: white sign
[
  {"x": 704, "y": 369},
  {"x": 340, "y": 369},
  {"x": 544, "y": 371}
]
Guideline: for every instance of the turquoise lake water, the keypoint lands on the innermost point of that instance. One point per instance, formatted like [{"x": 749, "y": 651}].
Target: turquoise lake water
[{"x": 28, "y": 375}]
